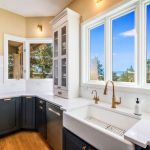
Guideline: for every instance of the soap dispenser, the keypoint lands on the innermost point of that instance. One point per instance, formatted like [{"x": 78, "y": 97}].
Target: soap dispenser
[{"x": 137, "y": 109}]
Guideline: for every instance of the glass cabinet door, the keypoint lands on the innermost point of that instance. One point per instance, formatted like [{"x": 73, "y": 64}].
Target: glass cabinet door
[
  {"x": 64, "y": 72},
  {"x": 63, "y": 40},
  {"x": 56, "y": 44},
  {"x": 55, "y": 72}
]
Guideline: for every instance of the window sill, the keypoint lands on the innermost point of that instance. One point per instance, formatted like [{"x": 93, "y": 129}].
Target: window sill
[{"x": 119, "y": 87}]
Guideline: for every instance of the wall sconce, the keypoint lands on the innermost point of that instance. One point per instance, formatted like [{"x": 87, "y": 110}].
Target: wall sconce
[
  {"x": 98, "y": 1},
  {"x": 40, "y": 28}
]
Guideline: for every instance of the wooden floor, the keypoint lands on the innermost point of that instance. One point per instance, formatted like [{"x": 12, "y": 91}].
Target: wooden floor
[{"x": 23, "y": 141}]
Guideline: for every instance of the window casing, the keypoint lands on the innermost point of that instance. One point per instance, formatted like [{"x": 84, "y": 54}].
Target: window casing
[
  {"x": 123, "y": 47},
  {"x": 140, "y": 77},
  {"x": 97, "y": 53}
]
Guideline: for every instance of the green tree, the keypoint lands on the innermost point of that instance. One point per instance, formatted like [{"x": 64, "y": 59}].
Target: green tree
[
  {"x": 41, "y": 61},
  {"x": 128, "y": 75},
  {"x": 115, "y": 77},
  {"x": 148, "y": 71},
  {"x": 100, "y": 70}
]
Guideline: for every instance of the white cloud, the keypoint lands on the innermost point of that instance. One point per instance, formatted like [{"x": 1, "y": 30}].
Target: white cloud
[{"x": 129, "y": 33}]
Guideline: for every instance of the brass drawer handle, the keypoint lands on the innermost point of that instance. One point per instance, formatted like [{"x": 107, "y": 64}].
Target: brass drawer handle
[
  {"x": 28, "y": 97},
  {"x": 7, "y": 99},
  {"x": 84, "y": 148}
]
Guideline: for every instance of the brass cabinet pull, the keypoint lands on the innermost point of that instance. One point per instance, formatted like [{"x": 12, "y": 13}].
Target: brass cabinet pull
[
  {"x": 28, "y": 97},
  {"x": 7, "y": 99},
  {"x": 84, "y": 148}
]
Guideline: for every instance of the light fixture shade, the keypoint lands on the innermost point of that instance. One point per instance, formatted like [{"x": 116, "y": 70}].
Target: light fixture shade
[
  {"x": 98, "y": 1},
  {"x": 40, "y": 28}
]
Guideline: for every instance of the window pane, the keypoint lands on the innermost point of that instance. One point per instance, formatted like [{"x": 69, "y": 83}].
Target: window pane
[
  {"x": 97, "y": 53},
  {"x": 123, "y": 47},
  {"x": 15, "y": 60},
  {"x": 40, "y": 61},
  {"x": 148, "y": 44}
]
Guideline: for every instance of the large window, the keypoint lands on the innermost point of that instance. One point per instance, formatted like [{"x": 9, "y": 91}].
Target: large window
[
  {"x": 148, "y": 43},
  {"x": 40, "y": 61},
  {"x": 119, "y": 47},
  {"x": 97, "y": 53},
  {"x": 123, "y": 48}
]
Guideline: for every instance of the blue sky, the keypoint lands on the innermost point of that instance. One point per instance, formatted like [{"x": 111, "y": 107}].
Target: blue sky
[
  {"x": 123, "y": 33},
  {"x": 148, "y": 32},
  {"x": 123, "y": 38},
  {"x": 97, "y": 43}
]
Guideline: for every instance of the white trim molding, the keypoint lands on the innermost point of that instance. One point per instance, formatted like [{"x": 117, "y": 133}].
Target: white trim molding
[
  {"x": 26, "y": 55},
  {"x": 140, "y": 44}
]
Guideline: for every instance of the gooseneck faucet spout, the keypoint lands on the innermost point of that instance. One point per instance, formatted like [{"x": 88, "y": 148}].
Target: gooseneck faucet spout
[{"x": 114, "y": 102}]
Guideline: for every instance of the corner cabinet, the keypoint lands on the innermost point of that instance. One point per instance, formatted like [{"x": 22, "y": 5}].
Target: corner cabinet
[
  {"x": 66, "y": 54},
  {"x": 9, "y": 115}
]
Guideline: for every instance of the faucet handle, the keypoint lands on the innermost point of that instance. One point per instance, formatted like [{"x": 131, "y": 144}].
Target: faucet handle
[{"x": 118, "y": 103}]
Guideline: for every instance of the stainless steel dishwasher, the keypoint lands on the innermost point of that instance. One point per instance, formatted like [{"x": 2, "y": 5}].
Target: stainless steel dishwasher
[{"x": 54, "y": 126}]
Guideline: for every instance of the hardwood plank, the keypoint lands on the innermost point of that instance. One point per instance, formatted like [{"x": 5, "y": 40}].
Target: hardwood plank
[{"x": 24, "y": 141}]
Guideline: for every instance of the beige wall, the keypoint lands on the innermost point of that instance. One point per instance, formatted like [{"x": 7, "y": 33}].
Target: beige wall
[
  {"x": 88, "y": 8},
  {"x": 27, "y": 27},
  {"x": 12, "y": 24},
  {"x": 20, "y": 26},
  {"x": 31, "y": 27}
]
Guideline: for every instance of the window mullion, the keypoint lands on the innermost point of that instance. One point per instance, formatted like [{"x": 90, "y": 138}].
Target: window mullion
[{"x": 108, "y": 53}]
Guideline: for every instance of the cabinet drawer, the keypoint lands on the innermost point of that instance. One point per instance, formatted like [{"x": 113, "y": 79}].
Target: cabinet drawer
[{"x": 61, "y": 93}]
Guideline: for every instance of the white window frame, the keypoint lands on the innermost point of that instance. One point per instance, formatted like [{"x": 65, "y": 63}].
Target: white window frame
[
  {"x": 144, "y": 44},
  {"x": 88, "y": 53},
  {"x": 34, "y": 41},
  {"x": 10, "y": 37},
  {"x": 113, "y": 17},
  {"x": 124, "y": 7}
]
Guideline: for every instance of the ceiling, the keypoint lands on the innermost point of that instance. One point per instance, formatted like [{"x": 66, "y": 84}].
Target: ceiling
[{"x": 33, "y": 8}]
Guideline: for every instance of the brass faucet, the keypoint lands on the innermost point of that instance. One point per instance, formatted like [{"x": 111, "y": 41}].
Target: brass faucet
[
  {"x": 114, "y": 102},
  {"x": 95, "y": 98}
]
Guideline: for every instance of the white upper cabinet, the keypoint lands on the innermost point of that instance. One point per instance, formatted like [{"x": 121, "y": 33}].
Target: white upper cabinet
[{"x": 66, "y": 53}]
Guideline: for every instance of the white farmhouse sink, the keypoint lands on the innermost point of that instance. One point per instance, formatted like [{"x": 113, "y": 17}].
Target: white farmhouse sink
[{"x": 101, "y": 127}]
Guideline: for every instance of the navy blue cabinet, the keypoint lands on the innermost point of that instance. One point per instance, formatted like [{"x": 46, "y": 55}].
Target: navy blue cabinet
[
  {"x": 41, "y": 122},
  {"x": 139, "y": 148},
  {"x": 9, "y": 115},
  {"x": 73, "y": 142},
  {"x": 28, "y": 113}
]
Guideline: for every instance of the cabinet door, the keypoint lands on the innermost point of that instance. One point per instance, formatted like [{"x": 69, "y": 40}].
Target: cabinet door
[
  {"x": 140, "y": 148},
  {"x": 9, "y": 115},
  {"x": 72, "y": 142},
  {"x": 41, "y": 125},
  {"x": 63, "y": 56},
  {"x": 28, "y": 113}
]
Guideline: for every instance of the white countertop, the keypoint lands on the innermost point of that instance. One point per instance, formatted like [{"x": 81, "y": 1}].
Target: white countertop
[
  {"x": 138, "y": 134},
  {"x": 65, "y": 104}
]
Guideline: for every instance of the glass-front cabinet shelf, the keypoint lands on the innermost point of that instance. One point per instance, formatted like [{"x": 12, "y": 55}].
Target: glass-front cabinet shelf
[
  {"x": 56, "y": 44},
  {"x": 63, "y": 40},
  {"x": 63, "y": 72},
  {"x": 55, "y": 72}
]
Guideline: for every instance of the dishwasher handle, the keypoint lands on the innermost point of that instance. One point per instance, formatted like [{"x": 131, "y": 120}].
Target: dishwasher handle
[{"x": 53, "y": 111}]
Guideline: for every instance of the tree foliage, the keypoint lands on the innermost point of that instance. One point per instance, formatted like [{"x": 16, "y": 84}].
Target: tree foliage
[{"x": 41, "y": 61}]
